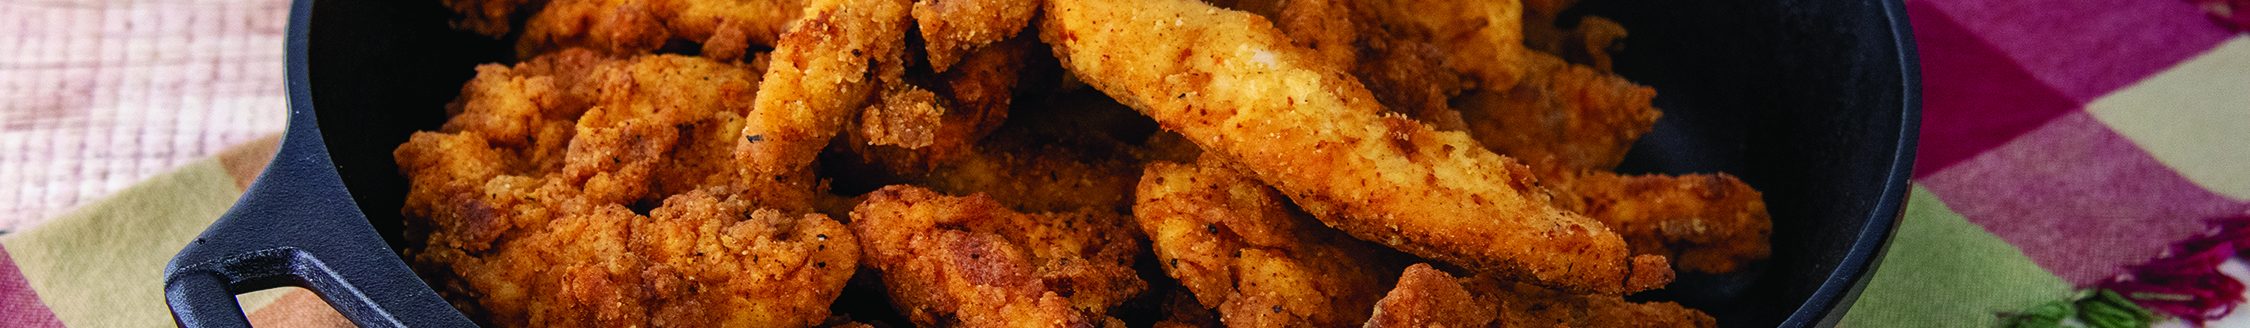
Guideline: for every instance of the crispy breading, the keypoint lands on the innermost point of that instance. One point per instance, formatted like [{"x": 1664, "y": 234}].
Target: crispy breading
[
  {"x": 696, "y": 261},
  {"x": 1426, "y": 297},
  {"x": 969, "y": 261},
  {"x": 916, "y": 133},
  {"x": 980, "y": 88},
  {"x": 528, "y": 108},
  {"x": 612, "y": 27},
  {"x": 1233, "y": 84},
  {"x": 907, "y": 118},
  {"x": 1041, "y": 179},
  {"x": 816, "y": 77},
  {"x": 1244, "y": 251},
  {"x": 725, "y": 28},
  {"x": 1409, "y": 77},
  {"x": 604, "y": 124},
  {"x": 1710, "y": 223},
  {"x": 1057, "y": 159},
  {"x": 1574, "y": 123},
  {"x": 1563, "y": 117},
  {"x": 638, "y": 110},
  {"x": 952, "y": 29},
  {"x": 1482, "y": 39},
  {"x": 1406, "y": 76}
]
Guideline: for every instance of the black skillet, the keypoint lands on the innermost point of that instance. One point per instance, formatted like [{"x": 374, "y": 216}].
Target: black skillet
[{"x": 1815, "y": 102}]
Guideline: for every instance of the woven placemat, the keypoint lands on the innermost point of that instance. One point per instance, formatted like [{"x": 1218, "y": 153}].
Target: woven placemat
[{"x": 98, "y": 95}]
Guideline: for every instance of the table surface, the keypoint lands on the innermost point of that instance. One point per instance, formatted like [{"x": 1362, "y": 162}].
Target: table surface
[{"x": 97, "y": 95}]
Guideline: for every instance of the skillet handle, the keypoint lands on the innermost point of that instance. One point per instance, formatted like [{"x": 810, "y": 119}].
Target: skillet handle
[{"x": 297, "y": 226}]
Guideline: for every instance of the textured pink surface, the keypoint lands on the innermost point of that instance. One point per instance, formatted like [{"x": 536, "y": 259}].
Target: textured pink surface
[
  {"x": 1973, "y": 96},
  {"x": 19, "y": 305},
  {"x": 2078, "y": 199},
  {"x": 98, "y": 95},
  {"x": 2087, "y": 48}
]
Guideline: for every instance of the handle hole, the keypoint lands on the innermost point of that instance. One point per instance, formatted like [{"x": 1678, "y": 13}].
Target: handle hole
[{"x": 289, "y": 306}]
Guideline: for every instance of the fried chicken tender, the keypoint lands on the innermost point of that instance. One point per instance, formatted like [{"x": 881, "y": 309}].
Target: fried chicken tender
[
  {"x": 1242, "y": 250},
  {"x": 818, "y": 75},
  {"x": 952, "y": 29},
  {"x": 920, "y": 129},
  {"x": 1426, "y": 297},
  {"x": 638, "y": 112},
  {"x": 968, "y": 261},
  {"x": 696, "y": 261},
  {"x": 1564, "y": 118},
  {"x": 725, "y": 28},
  {"x": 1230, "y": 82},
  {"x": 1574, "y": 124},
  {"x": 1407, "y": 76},
  {"x": 606, "y": 125},
  {"x": 1711, "y": 223},
  {"x": 1482, "y": 39}
]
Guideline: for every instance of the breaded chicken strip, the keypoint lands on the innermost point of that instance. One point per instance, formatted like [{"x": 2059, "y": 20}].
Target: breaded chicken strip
[
  {"x": 1563, "y": 117},
  {"x": 529, "y": 109},
  {"x": 1573, "y": 124},
  {"x": 968, "y": 261},
  {"x": 1426, "y": 297},
  {"x": 1481, "y": 39},
  {"x": 952, "y": 29},
  {"x": 697, "y": 261},
  {"x": 607, "y": 125},
  {"x": 638, "y": 112},
  {"x": 1711, "y": 223},
  {"x": 1230, "y": 82},
  {"x": 818, "y": 75},
  {"x": 725, "y": 28},
  {"x": 1244, "y": 251},
  {"x": 1407, "y": 76}
]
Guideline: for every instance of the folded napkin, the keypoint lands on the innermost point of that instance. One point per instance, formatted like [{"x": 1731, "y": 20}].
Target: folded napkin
[
  {"x": 102, "y": 265},
  {"x": 2065, "y": 144}
]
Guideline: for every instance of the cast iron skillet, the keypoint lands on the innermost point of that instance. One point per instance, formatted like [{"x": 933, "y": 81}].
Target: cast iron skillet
[{"x": 1814, "y": 102}]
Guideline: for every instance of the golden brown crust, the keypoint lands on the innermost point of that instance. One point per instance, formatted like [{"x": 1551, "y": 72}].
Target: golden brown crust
[
  {"x": 519, "y": 202},
  {"x": 1238, "y": 246},
  {"x": 696, "y": 261},
  {"x": 969, "y": 261},
  {"x": 967, "y": 104},
  {"x": 1710, "y": 223},
  {"x": 1482, "y": 39},
  {"x": 1426, "y": 297},
  {"x": 952, "y": 29},
  {"x": 1230, "y": 82},
  {"x": 1563, "y": 117},
  {"x": 816, "y": 77},
  {"x": 725, "y": 28}
]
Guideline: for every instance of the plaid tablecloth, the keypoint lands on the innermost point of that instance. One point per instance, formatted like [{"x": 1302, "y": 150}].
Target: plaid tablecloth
[{"x": 2066, "y": 145}]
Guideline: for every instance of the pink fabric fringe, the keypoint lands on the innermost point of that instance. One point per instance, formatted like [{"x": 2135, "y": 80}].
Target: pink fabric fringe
[
  {"x": 2186, "y": 283},
  {"x": 2234, "y": 14}
]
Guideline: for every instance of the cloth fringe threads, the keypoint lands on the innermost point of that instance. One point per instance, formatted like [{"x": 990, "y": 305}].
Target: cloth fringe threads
[
  {"x": 2234, "y": 14},
  {"x": 2186, "y": 283}
]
